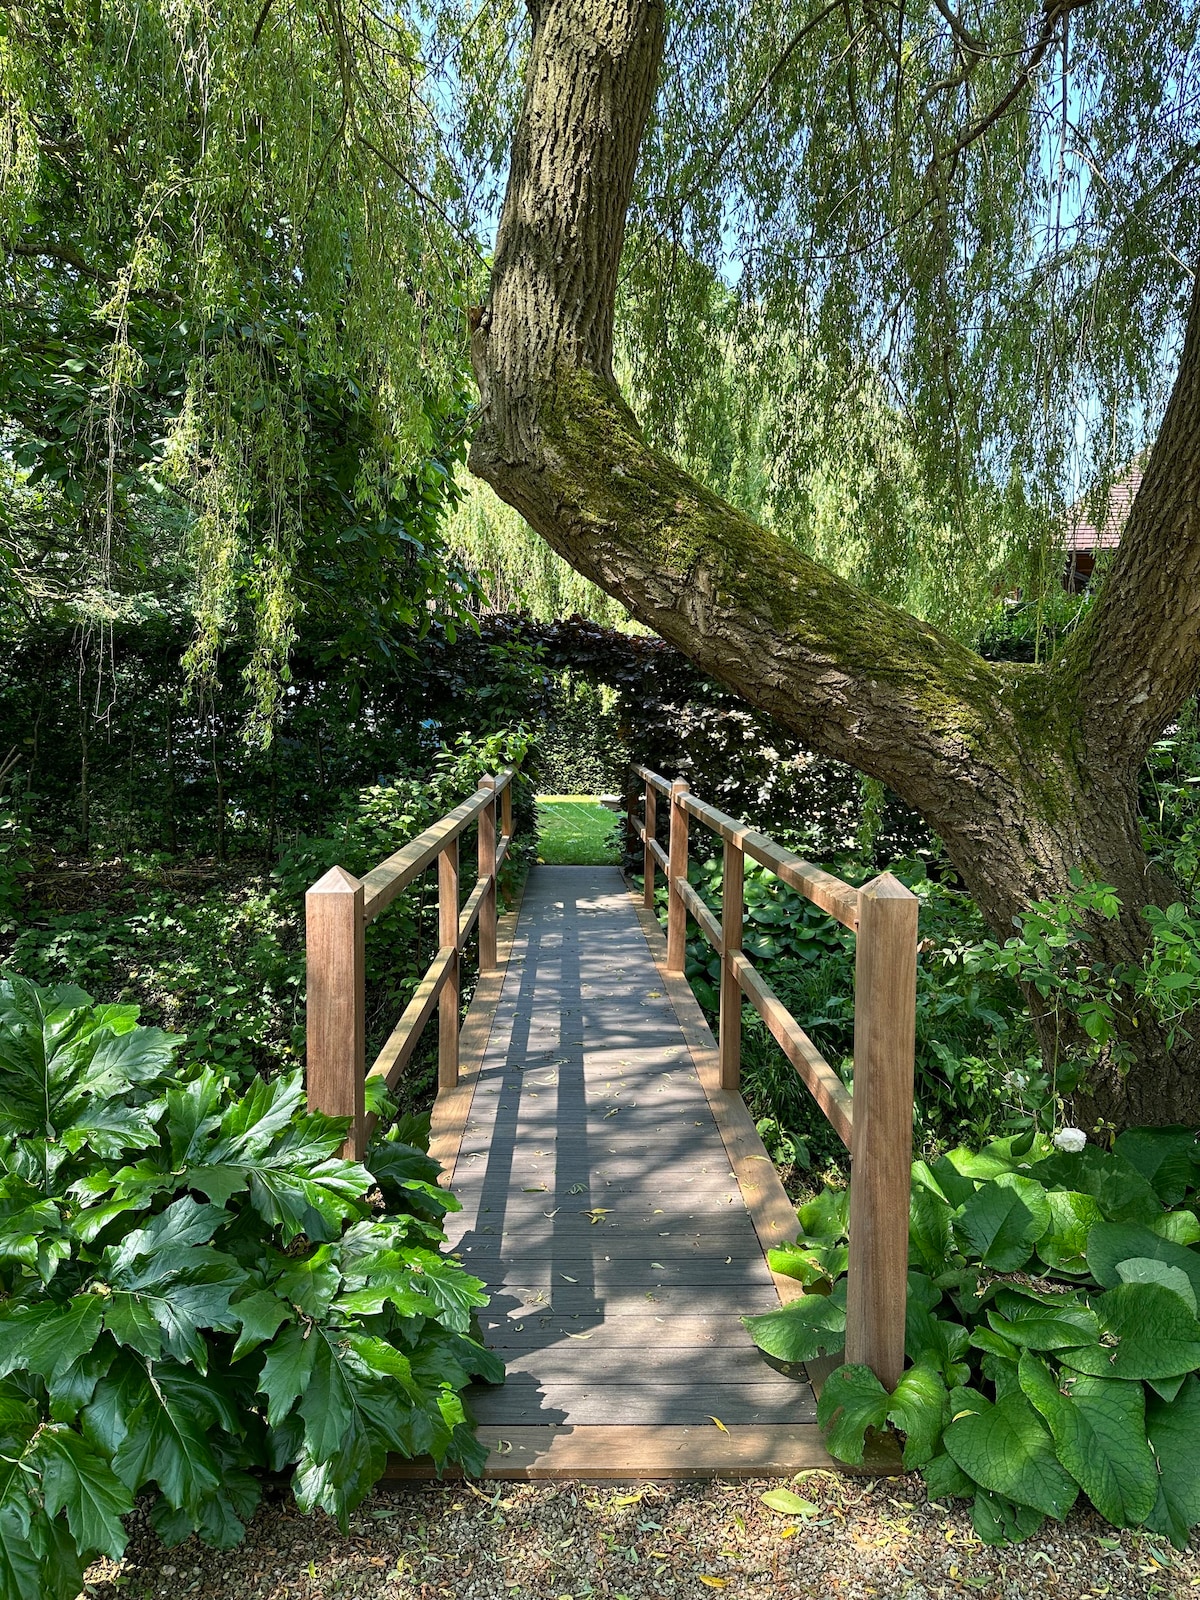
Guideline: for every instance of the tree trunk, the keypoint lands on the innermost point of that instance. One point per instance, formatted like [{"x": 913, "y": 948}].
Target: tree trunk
[{"x": 1024, "y": 771}]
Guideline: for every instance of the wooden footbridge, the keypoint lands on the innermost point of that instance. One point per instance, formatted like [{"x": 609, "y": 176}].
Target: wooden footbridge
[{"x": 617, "y": 1200}]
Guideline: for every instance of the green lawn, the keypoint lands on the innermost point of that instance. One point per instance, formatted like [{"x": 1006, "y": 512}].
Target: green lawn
[{"x": 575, "y": 831}]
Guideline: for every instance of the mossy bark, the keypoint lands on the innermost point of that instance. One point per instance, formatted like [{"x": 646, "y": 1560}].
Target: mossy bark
[{"x": 1025, "y": 772}]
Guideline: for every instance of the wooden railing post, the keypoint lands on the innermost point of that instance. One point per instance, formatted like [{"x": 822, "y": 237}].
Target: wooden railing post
[
  {"x": 448, "y": 1000},
  {"x": 648, "y": 862},
  {"x": 487, "y": 869},
  {"x": 732, "y": 897},
  {"x": 336, "y": 1001},
  {"x": 881, "y": 1139},
  {"x": 506, "y": 805},
  {"x": 677, "y": 867}
]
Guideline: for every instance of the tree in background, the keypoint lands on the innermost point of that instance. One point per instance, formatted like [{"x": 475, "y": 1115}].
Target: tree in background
[{"x": 994, "y": 208}]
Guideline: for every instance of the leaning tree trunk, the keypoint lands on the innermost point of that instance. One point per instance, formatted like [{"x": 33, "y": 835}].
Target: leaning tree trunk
[{"x": 1024, "y": 771}]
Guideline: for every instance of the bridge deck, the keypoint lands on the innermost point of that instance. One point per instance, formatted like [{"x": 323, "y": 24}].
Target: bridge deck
[{"x": 617, "y": 1204}]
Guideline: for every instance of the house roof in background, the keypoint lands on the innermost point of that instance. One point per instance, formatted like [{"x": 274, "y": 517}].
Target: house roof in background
[{"x": 1082, "y": 533}]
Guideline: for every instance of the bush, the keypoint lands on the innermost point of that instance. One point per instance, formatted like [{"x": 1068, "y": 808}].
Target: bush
[
  {"x": 198, "y": 1290},
  {"x": 1051, "y": 1329}
]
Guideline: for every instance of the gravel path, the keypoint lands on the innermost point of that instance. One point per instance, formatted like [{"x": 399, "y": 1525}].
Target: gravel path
[{"x": 577, "y": 1541}]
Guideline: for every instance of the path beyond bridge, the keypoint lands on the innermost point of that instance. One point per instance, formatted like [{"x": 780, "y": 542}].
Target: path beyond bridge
[{"x": 617, "y": 1204}]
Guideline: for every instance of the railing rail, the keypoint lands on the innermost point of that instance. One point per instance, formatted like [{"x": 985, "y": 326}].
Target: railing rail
[
  {"x": 875, "y": 1121},
  {"x": 338, "y": 908}
]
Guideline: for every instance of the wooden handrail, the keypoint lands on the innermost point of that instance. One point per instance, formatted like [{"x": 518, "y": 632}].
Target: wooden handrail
[
  {"x": 338, "y": 909},
  {"x": 875, "y": 1121}
]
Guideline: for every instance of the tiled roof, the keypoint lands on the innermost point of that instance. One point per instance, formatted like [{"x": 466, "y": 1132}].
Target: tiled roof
[{"x": 1083, "y": 534}]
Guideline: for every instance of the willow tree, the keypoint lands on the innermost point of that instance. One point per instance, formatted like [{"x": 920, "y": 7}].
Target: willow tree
[{"x": 997, "y": 205}]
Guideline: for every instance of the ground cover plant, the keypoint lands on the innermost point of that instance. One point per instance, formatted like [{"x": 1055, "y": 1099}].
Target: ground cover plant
[
  {"x": 217, "y": 953},
  {"x": 575, "y": 830},
  {"x": 200, "y": 1293},
  {"x": 1052, "y": 1330}
]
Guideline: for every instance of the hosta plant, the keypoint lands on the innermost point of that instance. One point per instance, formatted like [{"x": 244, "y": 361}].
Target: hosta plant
[
  {"x": 197, "y": 1291},
  {"x": 1051, "y": 1329}
]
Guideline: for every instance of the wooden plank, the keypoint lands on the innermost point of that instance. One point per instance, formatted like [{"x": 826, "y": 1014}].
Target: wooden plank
[
  {"x": 620, "y": 1273},
  {"x": 470, "y": 910},
  {"x": 772, "y": 1213},
  {"x": 881, "y": 1152},
  {"x": 839, "y": 899},
  {"x": 651, "y": 849},
  {"x": 677, "y": 869},
  {"x": 587, "y": 1360},
  {"x": 821, "y": 1081},
  {"x": 391, "y": 877},
  {"x": 487, "y": 875},
  {"x": 336, "y": 1002},
  {"x": 524, "y": 1400},
  {"x": 639, "y": 1332},
  {"x": 534, "y": 1299},
  {"x": 452, "y": 1107},
  {"x": 733, "y": 883},
  {"x": 402, "y": 1041},
  {"x": 624, "y": 1454},
  {"x": 699, "y": 912},
  {"x": 449, "y": 998},
  {"x": 654, "y": 779}
]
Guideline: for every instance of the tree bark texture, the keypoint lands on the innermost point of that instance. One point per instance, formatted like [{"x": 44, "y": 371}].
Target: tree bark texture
[{"x": 1024, "y": 771}]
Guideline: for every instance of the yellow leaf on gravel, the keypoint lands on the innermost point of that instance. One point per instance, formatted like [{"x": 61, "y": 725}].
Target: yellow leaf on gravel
[
  {"x": 717, "y": 1423},
  {"x": 713, "y": 1583},
  {"x": 627, "y": 1499}
]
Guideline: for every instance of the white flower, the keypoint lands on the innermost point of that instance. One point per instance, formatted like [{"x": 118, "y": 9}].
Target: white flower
[{"x": 1070, "y": 1139}]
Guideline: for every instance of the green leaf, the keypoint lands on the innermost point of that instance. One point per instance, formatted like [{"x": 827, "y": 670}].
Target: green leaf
[
  {"x": 788, "y": 1504},
  {"x": 1110, "y": 1243},
  {"x": 286, "y": 1371},
  {"x": 998, "y": 1521},
  {"x": 1164, "y": 1157},
  {"x": 1064, "y": 1246},
  {"x": 1174, "y": 1431},
  {"x": 1156, "y": 1334},
  {"x": 826, "y": 1217},
  {"x": 1099, "y": 1431},
  {"x": 811, "y": 1326},
  {"x": 1120, "y": 1191},
  {"x": 1181, "y": 1227},
  {"x": 311, "y": 1283},
  {"x": 1036, "y": 1325},
  {"x": 930, "y": 1235},
  {"x": 944, "y": 1478},
  {"x": 78, "y": 1480},
  {"x": 1143, "y": 1269},
  {"x": 260, "y": 1315},
  {"x": 853, "y": 1400},
  {"x": 1003, "y": 1220},
  {"x": 1007, "y": 1449},
  {"x": 46, "y": 1339},
  {"x": 167, "y": 1442}
]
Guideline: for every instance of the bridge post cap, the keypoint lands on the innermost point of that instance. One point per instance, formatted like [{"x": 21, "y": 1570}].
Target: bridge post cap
[
  {"x": 886, "y": 887},
  {"x": 336, "y": 881}
]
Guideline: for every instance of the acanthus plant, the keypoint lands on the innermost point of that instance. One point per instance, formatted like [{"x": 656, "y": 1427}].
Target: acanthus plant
[{"x": 198, "y": 1291}]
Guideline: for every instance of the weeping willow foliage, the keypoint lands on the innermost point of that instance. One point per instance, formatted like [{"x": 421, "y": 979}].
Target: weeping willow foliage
[
  {"x": 918, "y": 268},
  {"x": 252, "y": 192},
  {"x": 515, "y": 569}
]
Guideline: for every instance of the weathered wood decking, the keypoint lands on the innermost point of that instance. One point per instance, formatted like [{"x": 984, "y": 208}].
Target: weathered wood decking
[{"x": 617, "y": 1203}]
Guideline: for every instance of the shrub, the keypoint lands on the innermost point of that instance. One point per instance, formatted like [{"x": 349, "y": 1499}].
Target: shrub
[
  {"x": 1052, "y": 1331},
  {"x": 199, "y": 1290}
]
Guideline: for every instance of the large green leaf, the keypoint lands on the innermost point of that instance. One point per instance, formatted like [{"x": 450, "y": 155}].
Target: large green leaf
[
  {"x": 1143, "y": 1269},
  {"x": 1156, "y": 1335},
  {"x": 930, "y": 1236},
  {"x": 1007, "y": 1449},
  {"x": 48, "y": 1338},
  {"x": 1043, "y": 1324},
  {"x": 1121, "y": 1192},
  {"x": 1063, "y": 1247},
  {"x": 1110, "y": 1243},
  {"x": 998, "y": 1521},
  {"x": 1174, "y": 1430},
  {"x": 1003, "y": 1220},
  {"x": 167, "y": 1437},
  {"x": 78, "y": 1480},
  {"x": 1099, "y": 1431},
  {"x": 1165, "y": 1157},
  {"x": 812, "y": 1325}
]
